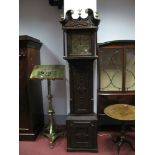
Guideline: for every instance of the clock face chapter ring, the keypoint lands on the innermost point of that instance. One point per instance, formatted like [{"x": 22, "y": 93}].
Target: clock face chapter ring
[{"x": 80, "y": 43}]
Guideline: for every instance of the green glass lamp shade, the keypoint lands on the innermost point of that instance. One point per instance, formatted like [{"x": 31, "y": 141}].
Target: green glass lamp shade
[{"x": 51, "y": 72}]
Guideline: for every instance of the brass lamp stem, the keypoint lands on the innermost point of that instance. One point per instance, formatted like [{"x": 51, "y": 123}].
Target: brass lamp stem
[
  {"x": 51, "y": 129},
  {"x": 50, "y": 97}
]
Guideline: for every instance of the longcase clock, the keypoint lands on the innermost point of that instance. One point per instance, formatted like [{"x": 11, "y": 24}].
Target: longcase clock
[{"x": 80, "y": 51}]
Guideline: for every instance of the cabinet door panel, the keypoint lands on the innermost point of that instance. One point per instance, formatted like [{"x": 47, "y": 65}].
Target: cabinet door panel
[
  {"x": 130, "y": 69},
  {"x": 82, "y": 134},
  {"x": 110, "y": 62},
  {"x": 23, "y": 102},
  {"x": 81, "y": 87}
]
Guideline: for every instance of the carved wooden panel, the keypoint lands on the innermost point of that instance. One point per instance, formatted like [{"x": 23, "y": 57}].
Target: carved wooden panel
[
  {"x": 82, "y": 133},
  {"x": 81, "y": 91},
  {"x": 89, "y": 22}
]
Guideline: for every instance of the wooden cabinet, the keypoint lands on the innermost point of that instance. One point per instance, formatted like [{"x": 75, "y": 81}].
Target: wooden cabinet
[
  {"x": 80, "y": 52},
  {"x": 116, "y": 76},
  {"x": 31, "y": 118},
  {"x": 83, "y": 131}
]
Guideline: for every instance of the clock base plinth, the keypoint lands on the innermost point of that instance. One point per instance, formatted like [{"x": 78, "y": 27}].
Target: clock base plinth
[{"x": 82, "y": 133}]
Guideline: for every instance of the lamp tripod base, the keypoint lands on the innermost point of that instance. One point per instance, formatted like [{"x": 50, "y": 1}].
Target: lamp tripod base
[
  {"x": 120, "y": 140},
  {"x": 52, "y": 131},
  {"x": 53, "y": 136}
]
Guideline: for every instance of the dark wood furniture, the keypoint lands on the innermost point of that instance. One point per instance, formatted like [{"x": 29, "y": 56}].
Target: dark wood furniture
[
  {"x": 31, "y": 118},
  {"x": 82, "y": 133},
  {"x": 123, "y": 113},
  {"x": 81, "y": 86},
  {"x": 116, "y": 77},
  {"x": 80, "y": 52}
]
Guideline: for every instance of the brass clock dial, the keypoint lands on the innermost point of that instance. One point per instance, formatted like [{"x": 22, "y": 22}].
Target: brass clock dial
[{"x": 80, "y": 44}]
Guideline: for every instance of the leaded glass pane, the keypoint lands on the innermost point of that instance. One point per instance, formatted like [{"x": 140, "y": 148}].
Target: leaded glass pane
[
  {"x": 130, "y": 69},
  {"x": 110, "y": 62}
]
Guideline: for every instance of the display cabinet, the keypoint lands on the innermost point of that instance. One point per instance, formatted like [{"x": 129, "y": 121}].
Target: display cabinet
[
  {"x": 116, "y": 75},
  {"x": 80, "y": 52},
  {"x": 31, "y": 118}
]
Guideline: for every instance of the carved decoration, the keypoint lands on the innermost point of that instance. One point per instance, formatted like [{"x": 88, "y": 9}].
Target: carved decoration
[
  {"x": 81, "y": 89},
  {"x": 89, "y": 22}
]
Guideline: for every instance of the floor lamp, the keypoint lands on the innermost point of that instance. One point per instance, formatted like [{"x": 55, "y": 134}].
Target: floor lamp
[{"x": 49, "y": 72}]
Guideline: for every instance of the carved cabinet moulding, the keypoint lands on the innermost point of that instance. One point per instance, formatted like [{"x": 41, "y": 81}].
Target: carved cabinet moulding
[{"x": 89, "y": 22}]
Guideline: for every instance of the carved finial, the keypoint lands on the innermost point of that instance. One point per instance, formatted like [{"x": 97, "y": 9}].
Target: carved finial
[
  {"x": 72, "y": 12},
  {"x": 86, "y": 11},
  {"x": 89, "y": 22},
  {"x": 89, "y": 12},
  {"x": 62, "y": 16},
  {"x": 69, "y": 14},
  {"x": 96, "y": 15},
  {"x": 79, "y": 10}
]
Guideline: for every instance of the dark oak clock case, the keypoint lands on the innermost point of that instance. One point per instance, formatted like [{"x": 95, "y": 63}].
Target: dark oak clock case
[
  {"x": 80, "y": 52},
  {"x": 81, "y": 87},
  {"x": 31, "y": 118},
  {"x": 82, "y": 133}
]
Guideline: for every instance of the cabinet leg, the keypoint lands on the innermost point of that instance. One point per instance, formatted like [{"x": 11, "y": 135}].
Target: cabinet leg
[{"x": 120, "y": 140}]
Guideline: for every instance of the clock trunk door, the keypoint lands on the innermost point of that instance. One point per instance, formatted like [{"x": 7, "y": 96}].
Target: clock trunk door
[{"x": 81, "y": 87}]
